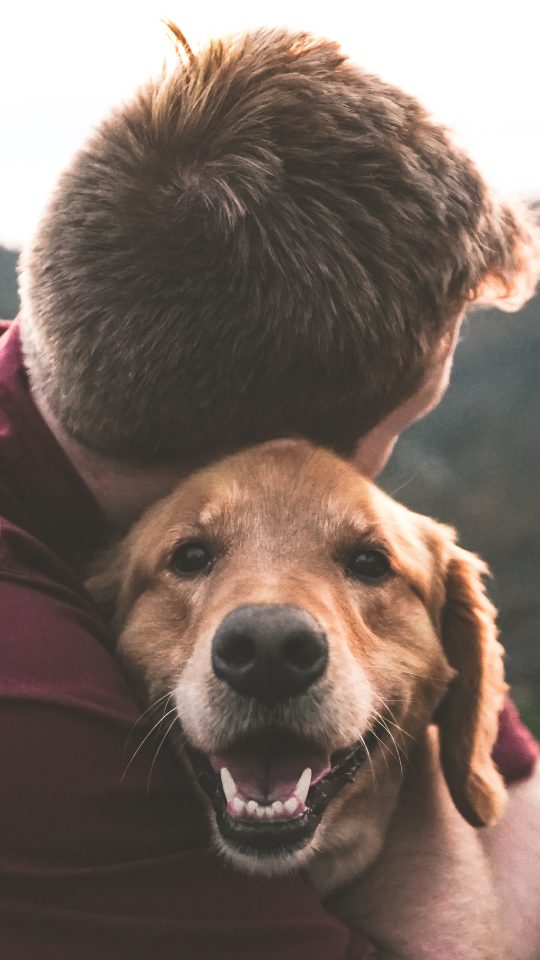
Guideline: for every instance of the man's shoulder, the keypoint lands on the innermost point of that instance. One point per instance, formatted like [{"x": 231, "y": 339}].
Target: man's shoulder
[
  {"x": 24, "y": 557},
  {"x": 53, "y": 642},
  {"x": 61, "y": 686},
  {"x": 103, "y": 839}
]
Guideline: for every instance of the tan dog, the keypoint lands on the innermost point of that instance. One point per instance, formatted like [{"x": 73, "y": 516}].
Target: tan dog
[{"x": 309, "y": 630}]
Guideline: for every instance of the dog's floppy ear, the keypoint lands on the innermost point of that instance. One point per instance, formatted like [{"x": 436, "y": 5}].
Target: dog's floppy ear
[
  {"x": 114, "y": 580},
  {"x": 468, "y": 717}
]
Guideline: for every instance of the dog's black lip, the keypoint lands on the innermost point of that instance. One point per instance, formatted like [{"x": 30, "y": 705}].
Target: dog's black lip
[{"x": 269, "y": 838}]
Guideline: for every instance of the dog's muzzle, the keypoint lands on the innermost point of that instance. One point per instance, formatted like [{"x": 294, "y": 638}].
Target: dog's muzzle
[{"x": 270, "y": 787}]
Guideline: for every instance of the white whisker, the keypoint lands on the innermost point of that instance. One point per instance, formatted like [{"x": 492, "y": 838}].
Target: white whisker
[
  {"x": 373, "y": 777},
  {"x": 400, "y": 729},
  {"x": 410, "y": 480},
  {"x": 386, "y": 706},
  {"x": 143, "y": 741},
  {"x": 421, "y": 676},
  {"x": 400, "y": 751},
  {"x": 383, "y": 744},
  {"x": 153, "y": 706},
  {"x": 393, "y": 721},
  {"x": 162, "y": 741}
]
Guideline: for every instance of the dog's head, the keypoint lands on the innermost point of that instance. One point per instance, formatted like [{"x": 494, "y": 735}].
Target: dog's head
[{"x": 301, "y": 620}]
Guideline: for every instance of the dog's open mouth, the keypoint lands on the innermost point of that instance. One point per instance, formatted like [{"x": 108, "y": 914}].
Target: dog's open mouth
[{"x": 270, "y": 791}]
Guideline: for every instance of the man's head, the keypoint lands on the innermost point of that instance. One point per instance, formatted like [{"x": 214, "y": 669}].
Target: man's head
[{"x": 267, "y": 242}]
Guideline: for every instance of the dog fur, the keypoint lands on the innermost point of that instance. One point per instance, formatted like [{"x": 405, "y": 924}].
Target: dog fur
[{"x": 397, "y": 852}]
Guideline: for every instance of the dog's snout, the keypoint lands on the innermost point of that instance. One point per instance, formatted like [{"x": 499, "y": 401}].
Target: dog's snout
[{"x": 269, "y": 651}]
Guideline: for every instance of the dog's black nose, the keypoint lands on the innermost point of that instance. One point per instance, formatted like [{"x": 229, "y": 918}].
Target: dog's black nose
[{"x": 269, "y": 651}]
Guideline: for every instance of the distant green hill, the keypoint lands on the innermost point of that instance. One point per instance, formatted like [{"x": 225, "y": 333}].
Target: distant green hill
[
  {"x": 474, "y": 463},
  {"x": 9, "y": 302}
]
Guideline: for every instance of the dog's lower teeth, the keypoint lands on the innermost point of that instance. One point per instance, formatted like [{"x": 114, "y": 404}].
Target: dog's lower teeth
[
  {"x": 251, "y": 810},
  {"x": 295, "y": 806}
]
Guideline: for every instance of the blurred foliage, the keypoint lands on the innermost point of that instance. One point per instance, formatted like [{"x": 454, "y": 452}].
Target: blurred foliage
[
  {"x": 9, "y": 303},
  {"x": 530, "y": 714},
  {"x": 475, "y": 463}
]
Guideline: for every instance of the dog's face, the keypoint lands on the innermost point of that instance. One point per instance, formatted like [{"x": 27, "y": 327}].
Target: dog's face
[{"x": 301, "y": 621}]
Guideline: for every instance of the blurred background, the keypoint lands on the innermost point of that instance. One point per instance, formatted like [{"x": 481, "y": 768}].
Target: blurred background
[{"x": 475, "y": 461}]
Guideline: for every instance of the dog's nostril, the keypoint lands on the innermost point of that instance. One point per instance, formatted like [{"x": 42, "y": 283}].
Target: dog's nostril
[
  {"x": 239, "y": 652},
  {"x": 301, "y": 650}
]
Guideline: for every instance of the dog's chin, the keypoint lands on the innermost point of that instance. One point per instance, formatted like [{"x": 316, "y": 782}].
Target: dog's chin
[
  {"x": 248, "y": 860},
  {"x": 268, "y": 805}
]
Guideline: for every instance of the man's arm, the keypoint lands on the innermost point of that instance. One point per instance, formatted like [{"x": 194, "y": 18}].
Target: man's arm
[{"x": 95, "y": 864}]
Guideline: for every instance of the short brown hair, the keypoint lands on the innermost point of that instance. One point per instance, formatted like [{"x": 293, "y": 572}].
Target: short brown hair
[{"x": 268, "y": 241}]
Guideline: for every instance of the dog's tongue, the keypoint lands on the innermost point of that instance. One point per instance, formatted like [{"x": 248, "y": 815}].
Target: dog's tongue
[{"x": 270, "y": 773}]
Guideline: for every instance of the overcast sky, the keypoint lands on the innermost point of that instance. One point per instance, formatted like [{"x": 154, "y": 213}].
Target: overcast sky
[{"x": 475, "y": 65}]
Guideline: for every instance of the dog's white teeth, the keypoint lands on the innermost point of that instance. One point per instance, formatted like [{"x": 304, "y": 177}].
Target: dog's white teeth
[
  {"x": 291, "y": 805},
  {"x": 237, "y": 806},
  {"x": 229, "y": 786},
  {"x": 295, "y": 806},
  {"x": 301, "y": 789},
  {"x": 278, "y": 810}
]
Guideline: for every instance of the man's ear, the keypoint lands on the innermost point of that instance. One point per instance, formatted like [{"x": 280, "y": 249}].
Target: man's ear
[{"x": 468, "y": 717}]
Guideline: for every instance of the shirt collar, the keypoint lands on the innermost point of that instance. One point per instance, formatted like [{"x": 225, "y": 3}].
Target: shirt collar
[{"x": 42, "y": 486}]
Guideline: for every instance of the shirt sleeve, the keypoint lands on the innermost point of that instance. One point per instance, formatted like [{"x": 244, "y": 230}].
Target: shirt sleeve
[
  {"x": 516, "y": 750},
  {"x": 103, "y": 848}
]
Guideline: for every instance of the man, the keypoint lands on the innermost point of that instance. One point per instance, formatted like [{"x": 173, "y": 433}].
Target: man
[{"x": 266, "y": 243}]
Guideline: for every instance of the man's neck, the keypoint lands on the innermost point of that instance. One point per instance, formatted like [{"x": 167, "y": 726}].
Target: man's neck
[{"x": 123, "y": 490}]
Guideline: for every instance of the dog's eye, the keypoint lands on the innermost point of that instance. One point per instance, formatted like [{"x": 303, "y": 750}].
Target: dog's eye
[
  {"x": 190, "y": 558},
  {"x": 369, "y": 565}
]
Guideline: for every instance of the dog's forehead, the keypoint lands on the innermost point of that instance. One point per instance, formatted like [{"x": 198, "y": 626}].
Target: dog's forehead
[{"x": 280, "y": 483}]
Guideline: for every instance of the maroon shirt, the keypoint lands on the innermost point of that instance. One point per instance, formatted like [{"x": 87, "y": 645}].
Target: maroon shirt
[
  {"x": 95, "y": 865},
  {"x": 97, "y": 861}
]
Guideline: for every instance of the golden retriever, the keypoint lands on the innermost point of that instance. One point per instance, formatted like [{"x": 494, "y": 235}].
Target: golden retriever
[{"x": 334, "y": 665}]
